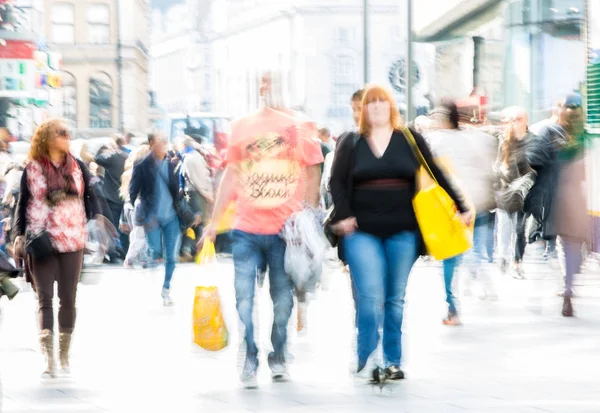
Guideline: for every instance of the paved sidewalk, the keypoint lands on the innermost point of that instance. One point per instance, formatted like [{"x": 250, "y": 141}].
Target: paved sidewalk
[{"x": 130, "y": 354}]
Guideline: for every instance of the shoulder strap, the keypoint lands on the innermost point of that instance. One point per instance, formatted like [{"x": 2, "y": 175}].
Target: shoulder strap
[{"x": 417, "y": 152}]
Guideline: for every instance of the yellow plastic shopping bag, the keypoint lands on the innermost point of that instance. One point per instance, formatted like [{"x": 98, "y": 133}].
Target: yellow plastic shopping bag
[
  {"x": 207, "y": 254},
  {"x": 444, "y": 233},
  {"x": 210, "y": 331}
]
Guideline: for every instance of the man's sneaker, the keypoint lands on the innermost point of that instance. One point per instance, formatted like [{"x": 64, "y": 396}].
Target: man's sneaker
[
  {"x": 166, "y": 296},
  {"x": 279, "y": 371},
  {"x": 394, "y": 373},
  {"x": 248, "y": 377}
]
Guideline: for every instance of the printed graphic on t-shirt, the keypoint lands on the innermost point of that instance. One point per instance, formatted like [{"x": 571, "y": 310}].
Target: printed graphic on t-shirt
[{"x": 270, "y": 172}]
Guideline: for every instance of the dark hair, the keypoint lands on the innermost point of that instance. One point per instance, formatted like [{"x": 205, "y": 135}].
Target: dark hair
[
  {"x": 450, "y": 106},
  {"x": 129, "y": 135},
  {"x": 325, "y": 131},
  {"x": 358, "y": 95},
  {"x": 151, "y": 137},
  {"x": 120, "y": 141}
]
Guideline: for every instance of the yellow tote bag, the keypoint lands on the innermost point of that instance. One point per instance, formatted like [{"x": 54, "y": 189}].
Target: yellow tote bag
[
  {"x": 444, "y": 233},
  {"x": 210, "y": 331},
  {"x": 207, "y": 254}
]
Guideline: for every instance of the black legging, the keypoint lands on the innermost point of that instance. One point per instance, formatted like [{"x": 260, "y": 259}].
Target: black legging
[{"x": 520, "y": 240}]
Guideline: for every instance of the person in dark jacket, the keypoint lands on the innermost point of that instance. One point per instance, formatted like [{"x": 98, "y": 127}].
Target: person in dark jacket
[
  {"x": 156, "y": 182},
  {"x": 113, "y": 161},
  {"x": 55, "y": 201},
  {"x": 373, "y": 182}
]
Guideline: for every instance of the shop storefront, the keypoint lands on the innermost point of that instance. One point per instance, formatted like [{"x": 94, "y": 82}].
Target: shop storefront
[{"x": 545, "y": 55}]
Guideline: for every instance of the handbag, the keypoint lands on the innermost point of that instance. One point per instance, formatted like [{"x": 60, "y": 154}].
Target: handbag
[
  {"x": 39, "y": 246},
  {"x": 444, "y": 233},
  {"x": 331, "y": 236},
  {"x": 182, "y": 207},
  {"x": 512, "y": 198}
]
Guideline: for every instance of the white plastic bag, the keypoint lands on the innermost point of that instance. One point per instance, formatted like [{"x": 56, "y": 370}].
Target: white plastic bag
[{"x": 305, "y": 247}]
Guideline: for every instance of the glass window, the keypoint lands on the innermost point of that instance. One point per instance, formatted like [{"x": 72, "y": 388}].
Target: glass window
[
  {"x": 100, "y": 100},
  {"x": 69, "y": 90},
  {"x": 99, "y": 23},
  {"x": 63, "y": 27}
]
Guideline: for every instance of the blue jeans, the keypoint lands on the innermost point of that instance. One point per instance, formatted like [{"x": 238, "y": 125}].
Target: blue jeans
[
  {"x": 164, "y": 240},
  {"x": 379, "y": 268},
  {"x": 250, "y": 252},
  {"x": 449, "y": 269},
  {"x": 475, "y": 257}
]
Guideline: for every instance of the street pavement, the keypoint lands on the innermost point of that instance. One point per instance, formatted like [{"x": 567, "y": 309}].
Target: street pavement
[{"x": 131, "y": 354}]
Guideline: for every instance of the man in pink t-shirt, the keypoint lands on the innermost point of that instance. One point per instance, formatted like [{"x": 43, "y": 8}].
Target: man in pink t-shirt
[{"x": 273, "y": 166}]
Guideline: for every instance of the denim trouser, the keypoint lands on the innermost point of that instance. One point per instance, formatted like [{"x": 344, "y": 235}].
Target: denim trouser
[
  {"x": 511, "y": 233},
  {"x": 379, "y": 268},
  {"x": 571, "y": 258},
  {"x": 168, "y": 235},
  {"x": 250, "y": 252},
  {"x": 476, "y": 256},
  {"x": 450, "y": 266}
]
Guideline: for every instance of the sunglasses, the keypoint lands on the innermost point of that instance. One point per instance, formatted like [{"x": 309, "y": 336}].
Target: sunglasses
[{"x": 64, "y": 133}]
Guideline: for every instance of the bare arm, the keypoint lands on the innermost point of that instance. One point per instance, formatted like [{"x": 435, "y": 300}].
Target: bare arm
[
  {"x": 313, "y": 183},
  {"x": 225, "y": 193}
]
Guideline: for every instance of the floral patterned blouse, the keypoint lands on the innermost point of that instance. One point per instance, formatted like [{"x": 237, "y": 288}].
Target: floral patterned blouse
[{"x": 65, "y": 222}]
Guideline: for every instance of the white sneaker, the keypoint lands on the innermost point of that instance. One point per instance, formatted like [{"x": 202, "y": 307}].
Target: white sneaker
[{"x": 166, "y": 296}]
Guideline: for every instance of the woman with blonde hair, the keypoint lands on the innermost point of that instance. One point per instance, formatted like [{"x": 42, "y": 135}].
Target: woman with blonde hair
[
  {"x": 138, "y": 246},
  {"x": 55, "y": 202},
  {"x": 373, "y": 182}
]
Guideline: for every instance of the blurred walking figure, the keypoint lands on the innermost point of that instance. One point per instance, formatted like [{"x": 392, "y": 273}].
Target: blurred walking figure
[
  {"x": 569, "y": 212},
  {"x": 156, "y": 182},
  {"x": 55, "y": 201},
  {"x": 373, "y": 182},
  {"x": 467, "y": 156},
  {"x": 112, "y": 160},
  {"x": 137, "y": 253},
  {"x": 273, "y": 166},
  {"x": 515, "y": 178},
  {"x": 197, "y": 185}
]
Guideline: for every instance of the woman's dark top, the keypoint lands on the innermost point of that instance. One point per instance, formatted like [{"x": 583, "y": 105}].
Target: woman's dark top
[{"x": 380, "y": 210}]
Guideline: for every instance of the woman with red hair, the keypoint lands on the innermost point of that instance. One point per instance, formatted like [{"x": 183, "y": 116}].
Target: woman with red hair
[
  {"x": 373, "y": 182},
  {"x": 55, "y": 202}
]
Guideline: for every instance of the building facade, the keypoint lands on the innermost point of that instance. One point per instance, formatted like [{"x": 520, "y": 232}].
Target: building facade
[
  {"x": 215, "y": 65},
  {"x": 104, "y": 47},
  {"x": 528, "y": 53}
]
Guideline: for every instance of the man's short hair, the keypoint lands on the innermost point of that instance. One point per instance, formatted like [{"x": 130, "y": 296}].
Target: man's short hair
[
  {"x": 152, "y": 136},
  {"x": 325, "y": 131},
  {"x": 358, "y": 95},
  {"x": 120, "y": 141}
]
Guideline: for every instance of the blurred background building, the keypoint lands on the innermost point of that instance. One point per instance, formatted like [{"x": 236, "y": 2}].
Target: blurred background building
[
  {"x": 208, "y": 55},
  {"x": 104, "y": 45},
  {"x": 85, "y": 60}
]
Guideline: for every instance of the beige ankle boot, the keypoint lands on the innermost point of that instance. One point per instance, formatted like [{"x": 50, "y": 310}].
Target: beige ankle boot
[
  {"x": 47, "y": 344},
  {"x": 64, "y": 344}
]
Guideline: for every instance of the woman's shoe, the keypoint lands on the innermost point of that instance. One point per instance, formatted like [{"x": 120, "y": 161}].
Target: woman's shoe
[
  {"x": 47, "y": 345},
  {"x": 378, "y": 376},
  {"x": 567, "y": 310},
  {"x": 452, "y": 320},
  {"x": 394, "y": 373}
]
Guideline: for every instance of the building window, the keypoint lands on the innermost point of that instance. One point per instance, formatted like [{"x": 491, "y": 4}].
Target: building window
[
  {"x": 343, "y": 67},
  {"x": 99, "y": 23},
  {"x": 344, "y": 35},
  {"x": 63, "y": 23},
  {"x": 69, "y": 90},
  {"x": 100, "y": 100}
]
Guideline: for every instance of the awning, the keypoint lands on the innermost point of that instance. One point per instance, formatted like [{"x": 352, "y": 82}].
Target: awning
[{"x": 460, "y": 20}]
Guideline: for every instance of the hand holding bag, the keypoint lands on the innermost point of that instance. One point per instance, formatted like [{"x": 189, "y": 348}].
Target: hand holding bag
[{"x": 443, "y": 230}]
